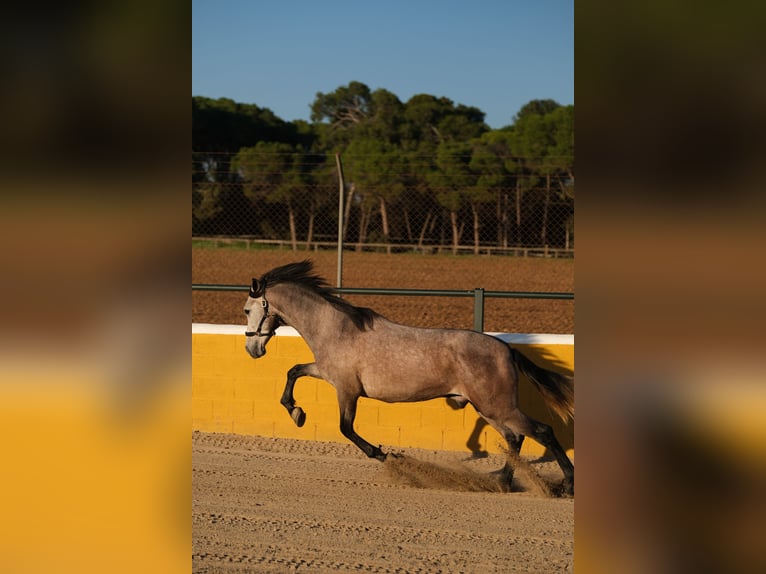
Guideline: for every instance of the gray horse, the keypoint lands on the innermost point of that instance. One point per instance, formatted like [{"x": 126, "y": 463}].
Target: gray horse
[{"x": 362, "y": 354}]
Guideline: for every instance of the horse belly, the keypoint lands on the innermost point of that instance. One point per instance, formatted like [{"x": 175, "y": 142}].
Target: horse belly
[{"x": 407, "y": 379}]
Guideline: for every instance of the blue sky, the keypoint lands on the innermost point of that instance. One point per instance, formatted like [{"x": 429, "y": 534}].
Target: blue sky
[{"x": 496, "y": 55}]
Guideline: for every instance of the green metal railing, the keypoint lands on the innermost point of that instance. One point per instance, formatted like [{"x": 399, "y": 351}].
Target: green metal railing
[{"x": 478, "y": 294}]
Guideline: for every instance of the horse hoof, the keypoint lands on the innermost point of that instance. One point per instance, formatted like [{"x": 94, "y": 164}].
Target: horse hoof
[
  {"x": 378, "y": 454},
  {"x": 298, "y": 416}
]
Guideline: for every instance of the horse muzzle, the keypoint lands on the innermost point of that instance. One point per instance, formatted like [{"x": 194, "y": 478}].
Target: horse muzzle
[{"x": 256, "y": 344}]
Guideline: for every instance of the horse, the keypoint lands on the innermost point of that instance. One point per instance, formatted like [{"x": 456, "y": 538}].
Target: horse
[{"x": 363, "y": 354}]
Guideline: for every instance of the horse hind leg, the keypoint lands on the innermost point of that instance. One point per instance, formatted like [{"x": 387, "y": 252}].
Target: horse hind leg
[
  {"x": 288, "y": 400},
  {"x": 515, "y": 441},
  {"x": 544, "y": 435},
  {"x": 505, "y": 474},
  {"x": 516, "y": 427}
]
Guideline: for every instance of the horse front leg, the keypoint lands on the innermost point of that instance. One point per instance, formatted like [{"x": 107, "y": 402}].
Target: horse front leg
[
  {"x": 288, "y": 400},
  {"x": 347, "y": 406}
]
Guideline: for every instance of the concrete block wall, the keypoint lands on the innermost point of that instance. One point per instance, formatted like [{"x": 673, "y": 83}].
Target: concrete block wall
[{"x": 233, "y": 393}]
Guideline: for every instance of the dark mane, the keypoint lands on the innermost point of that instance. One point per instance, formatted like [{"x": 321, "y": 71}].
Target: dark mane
[{"x": 302, "y": 273}]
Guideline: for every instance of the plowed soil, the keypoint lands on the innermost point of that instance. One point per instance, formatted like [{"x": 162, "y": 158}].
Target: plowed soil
[
  {"x": 278, "y": 505},
  {"x": 412, "y": 271}
]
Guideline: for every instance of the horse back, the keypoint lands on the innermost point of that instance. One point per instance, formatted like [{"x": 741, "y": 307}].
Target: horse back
[{"x": 400, "y": 363}]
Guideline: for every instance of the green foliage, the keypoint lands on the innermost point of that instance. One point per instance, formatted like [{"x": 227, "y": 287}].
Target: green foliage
[
  {"x": 347, "y": 105},
  {"x": 432, "y": 120},
  {"x": 536, "y": 108},
  {"x": 376, "y": 165},
  {"x": 271, "y": 170},
  {"x": 427, "y": 151},
  {"x": 488, "y": 162},
  {"x": 223, "y": 125}
]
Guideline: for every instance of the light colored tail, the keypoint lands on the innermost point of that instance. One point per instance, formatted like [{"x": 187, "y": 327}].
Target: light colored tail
[{"x": 556, "y": 389}]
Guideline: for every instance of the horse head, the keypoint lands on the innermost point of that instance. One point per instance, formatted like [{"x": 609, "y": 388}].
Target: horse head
[{"x": 261, "y": 324}]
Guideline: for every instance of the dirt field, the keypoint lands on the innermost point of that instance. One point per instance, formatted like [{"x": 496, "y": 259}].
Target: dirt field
[
  {"x": 278, "y": 505},
  {"x": 496, "y": 273}
]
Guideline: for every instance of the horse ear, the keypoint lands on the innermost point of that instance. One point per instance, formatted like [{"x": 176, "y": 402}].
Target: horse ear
[{"x": 254, "y": 289}]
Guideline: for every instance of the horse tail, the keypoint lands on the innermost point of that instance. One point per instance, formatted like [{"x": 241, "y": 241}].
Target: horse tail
[{"x": 556, "y": 389}]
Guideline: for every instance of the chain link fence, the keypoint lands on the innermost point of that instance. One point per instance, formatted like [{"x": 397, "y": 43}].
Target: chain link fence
[{"x": 295, "y": 200}]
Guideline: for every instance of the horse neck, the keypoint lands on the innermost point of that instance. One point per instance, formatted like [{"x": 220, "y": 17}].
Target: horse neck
[{"x": 305, "y": 311}]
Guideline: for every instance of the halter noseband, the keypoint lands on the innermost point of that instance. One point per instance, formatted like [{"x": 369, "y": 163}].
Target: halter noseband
[{"x": 256, "y": 291}]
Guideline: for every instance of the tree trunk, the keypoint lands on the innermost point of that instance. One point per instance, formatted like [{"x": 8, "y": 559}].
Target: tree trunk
[
  {"x": 423, "y": 230},
  {"x": 501, "y": 216},
  {"x": 407, "y": 225},
  {"x": 546, "y": 204},
  {"x": 384, "y": 223},
  {"x": 347, "y": 210},
  {"x": 518, "y": 213},
  {"x": 505, "y": 220},
  {"x": 364, "y": 222},
  {"x": 310, "y": 233},
  {"x": 475, "y": 212},
  {"x": 293, "y": 232},
  {"x": 455, "y": 231}
]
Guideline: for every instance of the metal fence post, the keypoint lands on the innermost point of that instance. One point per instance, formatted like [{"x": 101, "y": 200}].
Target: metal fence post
[
  {"x": 478, "y": 309},
  {"x": 341, "y": 192}
]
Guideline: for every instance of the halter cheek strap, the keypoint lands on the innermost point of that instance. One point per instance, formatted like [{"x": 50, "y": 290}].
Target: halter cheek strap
[
  {"x": 266, "y": 314},
  {"x": 257, "y": 290}
]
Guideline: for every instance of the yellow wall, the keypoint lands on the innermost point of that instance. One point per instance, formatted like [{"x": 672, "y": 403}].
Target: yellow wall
[{"x": 231, "y": 392}]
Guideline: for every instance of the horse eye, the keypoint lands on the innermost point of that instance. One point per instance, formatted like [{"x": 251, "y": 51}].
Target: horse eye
[{"x": 247, "y": 311}]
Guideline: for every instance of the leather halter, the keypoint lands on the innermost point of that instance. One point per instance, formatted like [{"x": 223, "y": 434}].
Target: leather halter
[{"x": 260, "y": 292}]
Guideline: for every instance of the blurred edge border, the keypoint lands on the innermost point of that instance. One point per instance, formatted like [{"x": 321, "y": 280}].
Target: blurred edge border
[
  {"x": 94, "y": 342},
  {"x": 670, "y": 311}
]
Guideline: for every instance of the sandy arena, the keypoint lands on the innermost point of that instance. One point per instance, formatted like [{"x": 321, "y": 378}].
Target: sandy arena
[{"x": 278, "y": 505}]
